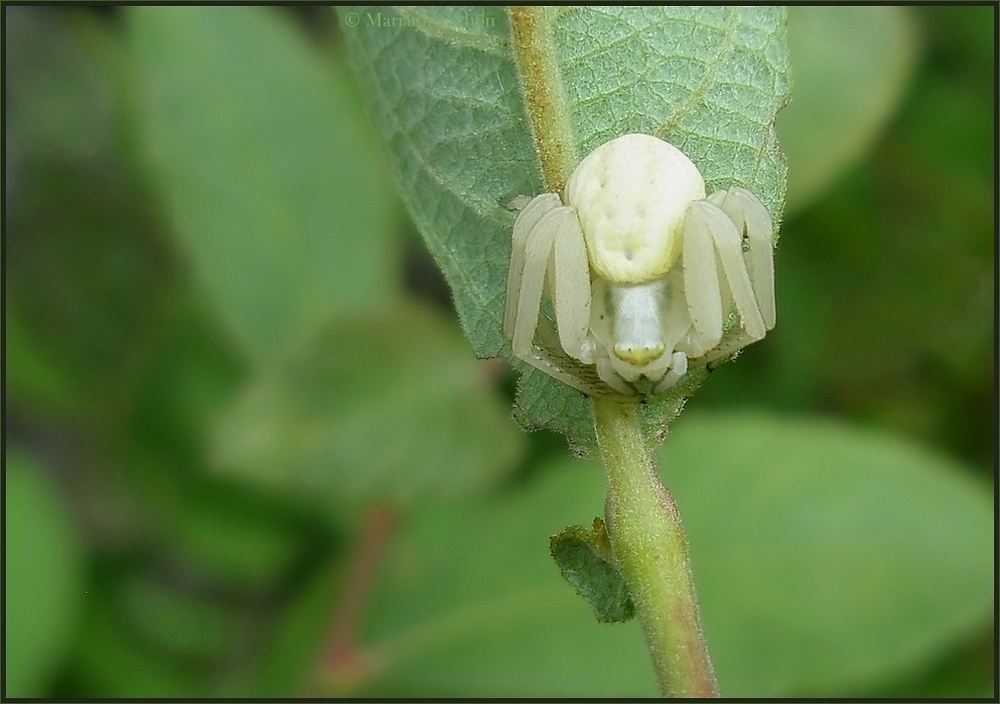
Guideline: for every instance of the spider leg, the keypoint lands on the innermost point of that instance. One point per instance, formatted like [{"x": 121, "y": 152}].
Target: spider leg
[
  {"x": 550, "y": 365},
  {"x": 517, "y": 203},
  {"x": 678, "y": 368},
  {"x": 655, "y": 369},
  {"x": 547, "y": 247},
  {"x": 524, "y": 225},
  {"x": 729, "y": 246},
  {"x": 676, "y": 318},
  {"x": 571, "y": 284},
  {"x": 537, "y": 256},
  {"x": 750, "y": 217},
  {"x": 626, "y": 371},
  {"x": 609, "y": 376},
  {"x": 570, "y": 371},
  {"x": 734, "y": 341},
  {"x": 701, "y": 278}
]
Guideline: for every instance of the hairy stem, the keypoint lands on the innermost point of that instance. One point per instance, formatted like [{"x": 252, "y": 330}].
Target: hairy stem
[
  {"x": 541, "y": 84},
  {"x": 648, "y": 543}
]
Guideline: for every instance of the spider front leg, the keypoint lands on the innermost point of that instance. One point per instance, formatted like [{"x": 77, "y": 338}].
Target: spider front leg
[
  {"x": 571, "y": 290},
  {"x": 751, "y": 219},
  {"x": 709, "y": 232},
  {"x": 701, "y": 282},
  {"x": 547, "y": 245},
  {"x": 524, "y": 225},
  {"x": 547, "y": 234}
]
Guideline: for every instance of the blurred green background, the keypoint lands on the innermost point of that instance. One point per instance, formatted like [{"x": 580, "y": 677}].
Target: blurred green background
[{"x": 248, "y": 451}]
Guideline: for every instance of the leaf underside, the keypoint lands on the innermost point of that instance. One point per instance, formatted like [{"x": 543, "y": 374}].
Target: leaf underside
[
  {"x": 584, "y": 559},
  {"x": 443, "y": 89}
]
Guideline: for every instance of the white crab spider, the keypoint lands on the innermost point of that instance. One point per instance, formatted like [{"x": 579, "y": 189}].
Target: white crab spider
[{"x": 643, "y": 271}]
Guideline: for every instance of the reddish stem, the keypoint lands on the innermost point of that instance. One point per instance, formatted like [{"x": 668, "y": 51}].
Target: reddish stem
[{"x": 342, "y": 657}]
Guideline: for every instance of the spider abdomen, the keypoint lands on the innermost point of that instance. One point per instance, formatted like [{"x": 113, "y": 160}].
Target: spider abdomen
[{"x": 631, "y": 195}]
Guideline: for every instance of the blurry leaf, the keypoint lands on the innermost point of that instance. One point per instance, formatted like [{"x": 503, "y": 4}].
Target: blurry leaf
[
  {"x": 86, "y": 268},
  {"x": 177, "y": 631},
  {"x": 850, "y": 68},
  {"x": 444, "y": 92},
  {"x": 827, "y": 559},
  {"x": 57, "y": 100},
  {"x": 584, "y": 558},
  {"x": 149, "y": 637},
  {"x": 86, "y": 276},
  {"x": 111, "y": 663},
  {"x": 967, "y": 671},
  {"x": 292, "y": 655},
  {"x": 909, "y": 345},
  {"x": 237, "y": 545},
  {"x": 185, "y": 625},
  {"x": 43, "y": 578},
  {"x": 387, "y": 404},
  {"x": 196, "y": 371},
  {"x": 274, "y": 184},
  {"x": 32, "y": 378},
  {"x": 469, "y": 604}
]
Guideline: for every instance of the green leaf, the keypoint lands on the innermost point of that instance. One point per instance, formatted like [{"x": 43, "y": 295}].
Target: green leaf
[
  {"x": 267, "y": 166},
  {"x": 851, "y": 66},
  {"x": 86, "y": 268},
  {"x": 179, "y": 622},
  {"x": 299, "y": 634},
  {"x": 43, "y": 578},
  {"x": 584, "y": 558},
  {"x": 57, "y": 97},
  {"x": 469, "y": 604},
  {"x": 33, "y": 378},
  {"x": 444, "y": 92},
  {"x": 385, "y": 404},
  {"x": 828, "y": 559},
  {"x": 196, "y": 370},
  {"x": 111, "y": 664},
  {"x": 86, "y": 277},
  {"x": 237, "y": 543}
]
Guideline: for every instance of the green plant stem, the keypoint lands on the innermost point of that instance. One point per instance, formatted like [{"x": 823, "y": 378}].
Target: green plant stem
[
  {"x": 649, "y": 545},
  {"x": 643, "y": 524},
  {"x": 541, "y": 85}
]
